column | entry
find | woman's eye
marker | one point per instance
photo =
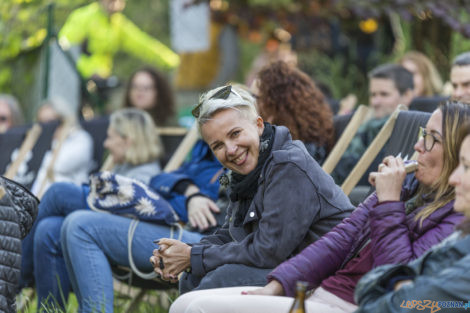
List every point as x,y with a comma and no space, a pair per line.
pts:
216,147
235,133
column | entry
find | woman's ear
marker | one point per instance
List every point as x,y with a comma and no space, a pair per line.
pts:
260,125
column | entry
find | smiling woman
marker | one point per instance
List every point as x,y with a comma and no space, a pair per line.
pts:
272,179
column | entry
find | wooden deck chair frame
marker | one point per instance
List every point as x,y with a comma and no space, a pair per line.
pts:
349,132
27,145
371,153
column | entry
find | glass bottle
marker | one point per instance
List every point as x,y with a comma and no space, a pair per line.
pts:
299,302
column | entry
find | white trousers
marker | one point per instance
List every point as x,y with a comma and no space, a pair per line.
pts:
230,300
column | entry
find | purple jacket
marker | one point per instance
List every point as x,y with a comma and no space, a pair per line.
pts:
394,236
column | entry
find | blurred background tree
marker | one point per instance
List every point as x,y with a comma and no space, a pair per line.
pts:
337,41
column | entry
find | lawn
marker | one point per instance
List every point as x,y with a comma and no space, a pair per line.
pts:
153,301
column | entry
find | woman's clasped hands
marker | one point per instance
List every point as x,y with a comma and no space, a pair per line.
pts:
171,258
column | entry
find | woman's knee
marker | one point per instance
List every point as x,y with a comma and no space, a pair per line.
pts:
57,195
77,224
47,235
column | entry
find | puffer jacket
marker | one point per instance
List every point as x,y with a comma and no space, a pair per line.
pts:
18,210
440,282
394,236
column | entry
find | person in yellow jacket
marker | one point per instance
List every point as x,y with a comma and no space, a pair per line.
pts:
102,30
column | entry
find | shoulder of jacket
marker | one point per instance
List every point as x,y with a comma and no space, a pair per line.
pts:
290,152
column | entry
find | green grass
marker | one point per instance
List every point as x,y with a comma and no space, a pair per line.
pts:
154,301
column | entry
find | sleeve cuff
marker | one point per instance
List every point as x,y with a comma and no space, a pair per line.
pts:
197,265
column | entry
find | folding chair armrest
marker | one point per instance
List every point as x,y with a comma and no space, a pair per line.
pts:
343,142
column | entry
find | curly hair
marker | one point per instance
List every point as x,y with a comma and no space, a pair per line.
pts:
287,96
164,107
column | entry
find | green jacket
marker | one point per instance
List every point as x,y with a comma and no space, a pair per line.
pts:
105,35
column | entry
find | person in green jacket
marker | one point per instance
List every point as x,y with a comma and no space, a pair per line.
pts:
102,30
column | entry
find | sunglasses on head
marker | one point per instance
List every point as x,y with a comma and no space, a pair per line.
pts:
222,93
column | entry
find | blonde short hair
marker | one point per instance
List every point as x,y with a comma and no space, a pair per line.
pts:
237,99
138,126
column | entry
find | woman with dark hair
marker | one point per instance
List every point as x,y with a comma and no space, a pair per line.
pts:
288,97
149,90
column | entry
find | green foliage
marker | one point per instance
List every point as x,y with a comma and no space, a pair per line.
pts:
340,77
271,3
23,27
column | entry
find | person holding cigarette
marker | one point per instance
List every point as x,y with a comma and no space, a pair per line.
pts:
437,280
398,223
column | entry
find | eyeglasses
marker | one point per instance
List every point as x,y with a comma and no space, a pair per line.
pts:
429,139
222,93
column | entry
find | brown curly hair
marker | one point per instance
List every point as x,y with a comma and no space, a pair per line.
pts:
164,107
290,98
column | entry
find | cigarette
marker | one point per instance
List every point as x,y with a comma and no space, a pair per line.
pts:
411,167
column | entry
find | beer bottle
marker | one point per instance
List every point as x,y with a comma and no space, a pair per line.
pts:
299,302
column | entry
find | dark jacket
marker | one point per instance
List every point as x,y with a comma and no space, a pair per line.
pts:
18,209
440,279
395,237
295,204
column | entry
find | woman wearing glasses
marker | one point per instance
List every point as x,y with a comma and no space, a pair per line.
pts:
404,217
281,200
439,279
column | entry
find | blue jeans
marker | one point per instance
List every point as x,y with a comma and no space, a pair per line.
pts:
41,250
91,241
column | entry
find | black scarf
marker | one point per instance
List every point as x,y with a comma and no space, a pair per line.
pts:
243,187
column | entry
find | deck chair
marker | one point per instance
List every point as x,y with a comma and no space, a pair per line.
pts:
33,142
402,140
371,152
345,135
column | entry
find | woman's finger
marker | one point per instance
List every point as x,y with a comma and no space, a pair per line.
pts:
213,206
192,221
208,217
202,222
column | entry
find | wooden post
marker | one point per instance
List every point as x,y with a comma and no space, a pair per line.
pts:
340,147
27,145
183,149
67,127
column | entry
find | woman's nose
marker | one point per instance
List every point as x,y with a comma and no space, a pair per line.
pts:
419,145
231,149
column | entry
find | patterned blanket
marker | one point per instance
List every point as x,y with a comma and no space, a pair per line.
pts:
125,196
